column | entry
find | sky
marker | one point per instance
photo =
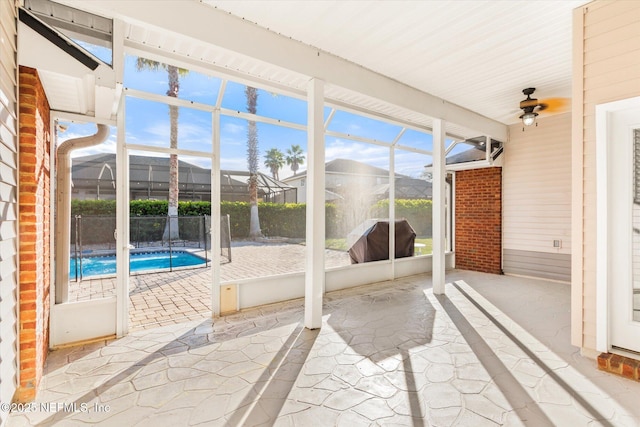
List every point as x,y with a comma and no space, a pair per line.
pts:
147,123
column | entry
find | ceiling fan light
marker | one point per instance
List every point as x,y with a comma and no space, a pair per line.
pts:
528,118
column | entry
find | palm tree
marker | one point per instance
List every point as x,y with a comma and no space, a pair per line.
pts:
252,163
171,231
274,160
295,157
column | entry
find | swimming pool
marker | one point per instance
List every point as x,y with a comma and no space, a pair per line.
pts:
100,265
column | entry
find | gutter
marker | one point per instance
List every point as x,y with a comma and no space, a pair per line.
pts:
63,206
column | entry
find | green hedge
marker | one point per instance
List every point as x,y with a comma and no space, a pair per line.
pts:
93,207
285,220
416,211
276,219
138,207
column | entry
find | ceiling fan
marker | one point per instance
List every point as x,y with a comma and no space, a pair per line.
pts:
531,106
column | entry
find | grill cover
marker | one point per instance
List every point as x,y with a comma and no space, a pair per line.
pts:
373,245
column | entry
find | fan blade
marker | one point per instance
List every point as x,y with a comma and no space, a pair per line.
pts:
529,103
554,105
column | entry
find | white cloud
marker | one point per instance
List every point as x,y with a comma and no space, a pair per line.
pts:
233,163
198,161
354,128
160,128
375,155
190,136
233,129
74,131
231,141
411,164
133,139
98,149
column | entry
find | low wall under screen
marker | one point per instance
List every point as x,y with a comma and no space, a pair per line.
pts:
269,290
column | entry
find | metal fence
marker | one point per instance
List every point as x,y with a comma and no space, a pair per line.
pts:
93,241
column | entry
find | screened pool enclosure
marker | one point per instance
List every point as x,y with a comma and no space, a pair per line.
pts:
300,172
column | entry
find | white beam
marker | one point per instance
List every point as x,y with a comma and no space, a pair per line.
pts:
170,100
215,231
329,118
438,208
314,272
392,208
205,24
398,136
358,138
577,180
122,227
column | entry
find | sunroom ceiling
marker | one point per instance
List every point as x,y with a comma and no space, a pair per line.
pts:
477,55
240,68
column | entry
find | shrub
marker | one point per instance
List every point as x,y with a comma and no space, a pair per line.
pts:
416,211
93,207
276,219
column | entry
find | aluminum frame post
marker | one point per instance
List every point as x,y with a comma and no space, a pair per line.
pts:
315,227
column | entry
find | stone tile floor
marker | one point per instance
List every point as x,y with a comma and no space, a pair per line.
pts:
493,351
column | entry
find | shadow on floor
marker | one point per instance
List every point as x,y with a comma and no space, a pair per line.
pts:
270,391
526,408
407,323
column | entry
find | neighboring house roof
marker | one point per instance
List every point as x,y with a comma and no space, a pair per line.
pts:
407,188
476,152
470,155
346,167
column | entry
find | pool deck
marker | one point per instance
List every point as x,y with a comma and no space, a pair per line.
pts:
166,298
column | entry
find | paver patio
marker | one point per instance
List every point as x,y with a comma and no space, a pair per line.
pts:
158,299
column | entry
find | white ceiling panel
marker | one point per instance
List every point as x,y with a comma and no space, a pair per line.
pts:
65,93
476,54
182,48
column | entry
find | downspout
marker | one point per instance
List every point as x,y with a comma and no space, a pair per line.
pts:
63,206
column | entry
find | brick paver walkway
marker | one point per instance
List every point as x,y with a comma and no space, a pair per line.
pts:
159,299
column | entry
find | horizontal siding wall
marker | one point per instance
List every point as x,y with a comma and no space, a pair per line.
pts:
537,199
611,70
8,205
538,264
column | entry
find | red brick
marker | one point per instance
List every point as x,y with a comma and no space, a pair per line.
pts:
629,368
478,220
34,177
615,364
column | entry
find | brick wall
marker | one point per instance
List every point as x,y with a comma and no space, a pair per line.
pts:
478,210
33,185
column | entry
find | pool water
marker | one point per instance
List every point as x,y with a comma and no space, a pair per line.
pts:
106,265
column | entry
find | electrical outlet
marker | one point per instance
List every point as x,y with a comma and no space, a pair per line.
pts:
557,244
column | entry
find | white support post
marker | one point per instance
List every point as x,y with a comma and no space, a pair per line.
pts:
122,227
392,210
438,211
215,216
314,272
122,189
